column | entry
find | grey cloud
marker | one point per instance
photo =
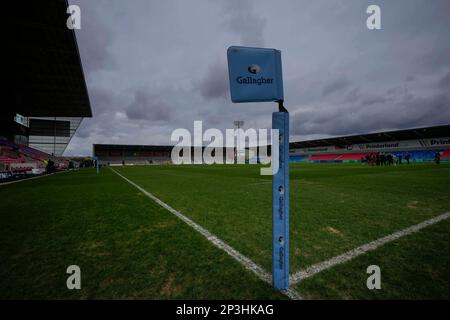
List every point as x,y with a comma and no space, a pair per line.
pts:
242,19
353,95
336,86
153,66
147,107
426,111
395,90
445,82
101,100
215,83
436,58
95,38
373,99
398,92
84,130
403,112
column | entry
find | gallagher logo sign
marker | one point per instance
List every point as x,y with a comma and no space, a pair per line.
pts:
254,68
255,74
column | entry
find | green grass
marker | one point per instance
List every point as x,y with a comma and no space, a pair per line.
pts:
129,247
334,208
126,246
413,267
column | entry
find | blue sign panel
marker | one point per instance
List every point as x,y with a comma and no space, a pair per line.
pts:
255,74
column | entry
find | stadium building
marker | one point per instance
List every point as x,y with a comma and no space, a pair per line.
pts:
116,154
113,154
421,144
46,91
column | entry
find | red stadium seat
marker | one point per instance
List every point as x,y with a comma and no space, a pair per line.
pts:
323,157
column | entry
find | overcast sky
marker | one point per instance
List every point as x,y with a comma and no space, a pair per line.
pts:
154,66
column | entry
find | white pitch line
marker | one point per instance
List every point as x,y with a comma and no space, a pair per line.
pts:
32,178
239,257
258,183
349,255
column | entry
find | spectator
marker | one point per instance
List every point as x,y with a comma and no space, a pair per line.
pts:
407,156
390,159
437,157
50,166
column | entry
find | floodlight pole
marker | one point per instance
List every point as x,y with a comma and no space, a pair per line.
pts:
280,202
238,124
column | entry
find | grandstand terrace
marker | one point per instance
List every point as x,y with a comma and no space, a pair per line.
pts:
114,154
46,95
421,144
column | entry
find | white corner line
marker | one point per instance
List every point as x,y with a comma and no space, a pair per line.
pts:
349,255
239,257
32,178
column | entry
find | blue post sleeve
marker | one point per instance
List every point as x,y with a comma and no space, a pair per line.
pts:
280,205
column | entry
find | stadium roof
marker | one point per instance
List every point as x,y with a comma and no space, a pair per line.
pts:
407,134
130,147
46,76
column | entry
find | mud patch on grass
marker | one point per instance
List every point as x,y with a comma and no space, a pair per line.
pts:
170,288
333,231
93,248
412,204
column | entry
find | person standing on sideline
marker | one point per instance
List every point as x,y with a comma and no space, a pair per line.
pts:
437,157
407,156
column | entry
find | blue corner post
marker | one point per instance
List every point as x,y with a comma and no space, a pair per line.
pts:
262,66
280,204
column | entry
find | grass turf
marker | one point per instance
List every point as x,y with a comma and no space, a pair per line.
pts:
126,246
130,247
414,267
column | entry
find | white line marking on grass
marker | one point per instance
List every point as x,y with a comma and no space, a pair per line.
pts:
239,257
258,183
349,255
291,294
32,178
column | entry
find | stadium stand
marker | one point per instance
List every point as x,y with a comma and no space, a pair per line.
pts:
19,159
323,157
132,154
445,154
116,154
46,94
337,157
351,156
415,156
419,145
298,158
